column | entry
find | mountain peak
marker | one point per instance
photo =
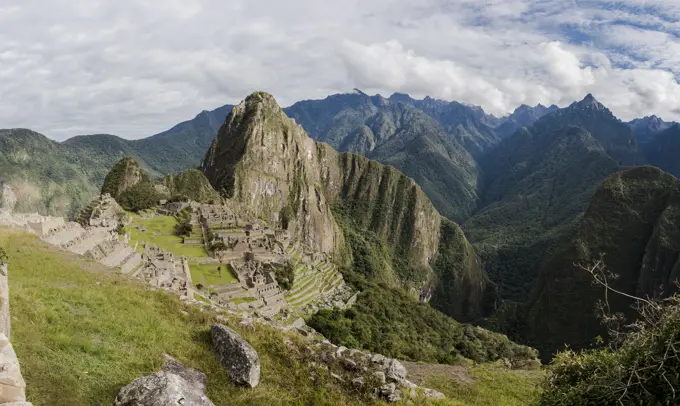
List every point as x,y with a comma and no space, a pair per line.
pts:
590,101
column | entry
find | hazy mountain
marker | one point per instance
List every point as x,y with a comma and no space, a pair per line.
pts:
539,182
646,128
522,116
663,150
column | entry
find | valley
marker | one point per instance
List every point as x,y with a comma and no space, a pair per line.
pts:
339,235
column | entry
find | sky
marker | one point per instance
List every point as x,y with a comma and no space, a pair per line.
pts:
134,68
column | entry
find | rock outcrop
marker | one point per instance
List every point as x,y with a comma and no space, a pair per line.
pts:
124,174
191,185
174,385
161,389
236,355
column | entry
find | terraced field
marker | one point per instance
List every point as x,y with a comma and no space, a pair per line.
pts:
312,280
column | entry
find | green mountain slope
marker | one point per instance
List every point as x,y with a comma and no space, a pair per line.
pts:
400,135
633,225
359,210
61,178
543,180
42,175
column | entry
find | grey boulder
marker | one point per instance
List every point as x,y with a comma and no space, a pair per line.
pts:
192,376
237,356
394,370
162,389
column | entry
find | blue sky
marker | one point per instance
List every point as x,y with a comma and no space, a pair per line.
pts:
136,67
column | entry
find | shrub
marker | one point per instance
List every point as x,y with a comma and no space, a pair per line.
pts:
285,275
640,367
138,197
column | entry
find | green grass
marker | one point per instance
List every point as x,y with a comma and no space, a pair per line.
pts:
492,385
207,274
201,298
81,333
240,300
164,227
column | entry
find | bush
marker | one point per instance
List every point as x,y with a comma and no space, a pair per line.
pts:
389,322
141,196
285,275
643,370
184,229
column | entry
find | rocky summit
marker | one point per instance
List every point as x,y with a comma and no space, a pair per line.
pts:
265,162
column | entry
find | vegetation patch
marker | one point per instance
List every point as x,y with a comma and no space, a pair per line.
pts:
491,385
211,274
240,300
389,322
160,231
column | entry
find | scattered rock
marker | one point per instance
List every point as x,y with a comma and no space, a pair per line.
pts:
377,358
161,389
194,377
380,375
358,382
390,393
340,350
337,377
394,370
433,394
349,364
237,356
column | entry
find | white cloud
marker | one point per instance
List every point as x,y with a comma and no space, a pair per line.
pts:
135,68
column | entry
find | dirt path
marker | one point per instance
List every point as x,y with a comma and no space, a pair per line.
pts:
417,372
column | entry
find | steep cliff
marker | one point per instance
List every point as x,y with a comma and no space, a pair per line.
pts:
368,214
266,163
124,174
395,132
633,224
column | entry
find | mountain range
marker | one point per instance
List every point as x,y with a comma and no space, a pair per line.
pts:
519,196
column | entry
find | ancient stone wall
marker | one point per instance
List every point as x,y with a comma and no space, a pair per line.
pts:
12,385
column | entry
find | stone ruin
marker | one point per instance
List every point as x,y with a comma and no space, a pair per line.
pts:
103,211
163,270
97,239
259,281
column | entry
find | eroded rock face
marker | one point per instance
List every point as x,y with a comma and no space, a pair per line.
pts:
12,385
236,355
162,389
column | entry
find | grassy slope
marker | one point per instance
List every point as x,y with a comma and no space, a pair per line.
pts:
492,385
81,333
